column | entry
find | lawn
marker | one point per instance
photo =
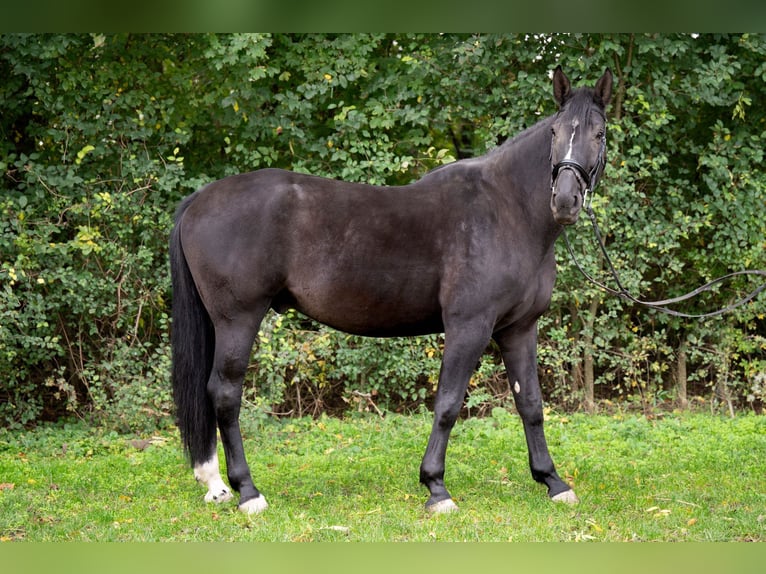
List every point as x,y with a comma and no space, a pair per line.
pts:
677,477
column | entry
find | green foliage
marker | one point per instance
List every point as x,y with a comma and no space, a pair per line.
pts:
101,135
83,240
305,368
678,204
684,477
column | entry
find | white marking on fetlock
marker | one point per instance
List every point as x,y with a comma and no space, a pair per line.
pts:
209,474
442,507
517,387
254,505
567,497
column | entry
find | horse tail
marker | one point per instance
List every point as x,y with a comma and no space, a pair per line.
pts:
193,343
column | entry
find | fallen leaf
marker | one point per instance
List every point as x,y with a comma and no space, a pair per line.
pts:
594,525
7,486
691,522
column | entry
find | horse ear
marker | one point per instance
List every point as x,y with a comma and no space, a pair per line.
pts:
561,86
603,91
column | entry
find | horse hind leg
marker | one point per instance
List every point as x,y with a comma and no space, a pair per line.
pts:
234,341
208,473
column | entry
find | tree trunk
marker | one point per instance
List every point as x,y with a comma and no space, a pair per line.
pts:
722,386
575,375
575,369
588,371
683,401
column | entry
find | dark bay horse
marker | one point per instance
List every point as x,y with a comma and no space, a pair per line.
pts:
467,250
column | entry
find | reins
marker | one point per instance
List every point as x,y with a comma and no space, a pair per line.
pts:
589,181
661,305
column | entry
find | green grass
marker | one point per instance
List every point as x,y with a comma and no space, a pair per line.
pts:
681,477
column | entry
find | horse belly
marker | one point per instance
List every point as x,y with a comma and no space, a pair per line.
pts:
368,303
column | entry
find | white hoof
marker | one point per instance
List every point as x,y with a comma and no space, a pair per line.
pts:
254,505
443,507
219,495
567,497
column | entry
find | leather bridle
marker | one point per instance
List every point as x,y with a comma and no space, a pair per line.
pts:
588,178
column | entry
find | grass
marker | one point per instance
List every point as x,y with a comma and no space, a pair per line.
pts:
680,477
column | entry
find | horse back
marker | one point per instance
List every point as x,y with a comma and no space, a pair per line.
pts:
370,260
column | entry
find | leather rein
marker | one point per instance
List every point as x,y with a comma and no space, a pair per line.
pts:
590,179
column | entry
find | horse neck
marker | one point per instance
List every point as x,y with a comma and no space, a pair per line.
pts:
523,166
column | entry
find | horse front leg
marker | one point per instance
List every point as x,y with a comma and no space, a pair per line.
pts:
462,350
519,350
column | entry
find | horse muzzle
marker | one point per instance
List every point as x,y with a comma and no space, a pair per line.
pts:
566,198
570,184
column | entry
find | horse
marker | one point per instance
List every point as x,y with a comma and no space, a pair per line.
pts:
467,250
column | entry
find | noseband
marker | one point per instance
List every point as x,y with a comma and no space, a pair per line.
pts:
583,174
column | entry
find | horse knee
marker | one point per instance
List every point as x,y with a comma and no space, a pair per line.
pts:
530,408
445,419
532,416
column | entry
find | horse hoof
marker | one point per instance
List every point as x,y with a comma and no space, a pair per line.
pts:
218,496
567,497
442,507
254,505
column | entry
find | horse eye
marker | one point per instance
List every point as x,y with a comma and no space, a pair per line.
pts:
600,135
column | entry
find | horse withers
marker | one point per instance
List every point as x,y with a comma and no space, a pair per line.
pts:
467,250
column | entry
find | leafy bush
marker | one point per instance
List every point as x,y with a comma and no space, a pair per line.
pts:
102,136
301,367
83,235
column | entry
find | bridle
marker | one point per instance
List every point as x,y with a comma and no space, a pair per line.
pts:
589,180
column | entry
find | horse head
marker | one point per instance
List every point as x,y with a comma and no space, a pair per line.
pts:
578,143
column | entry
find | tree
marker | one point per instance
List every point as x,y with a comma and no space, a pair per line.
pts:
102,135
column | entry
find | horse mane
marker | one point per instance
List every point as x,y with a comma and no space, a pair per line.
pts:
526,133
